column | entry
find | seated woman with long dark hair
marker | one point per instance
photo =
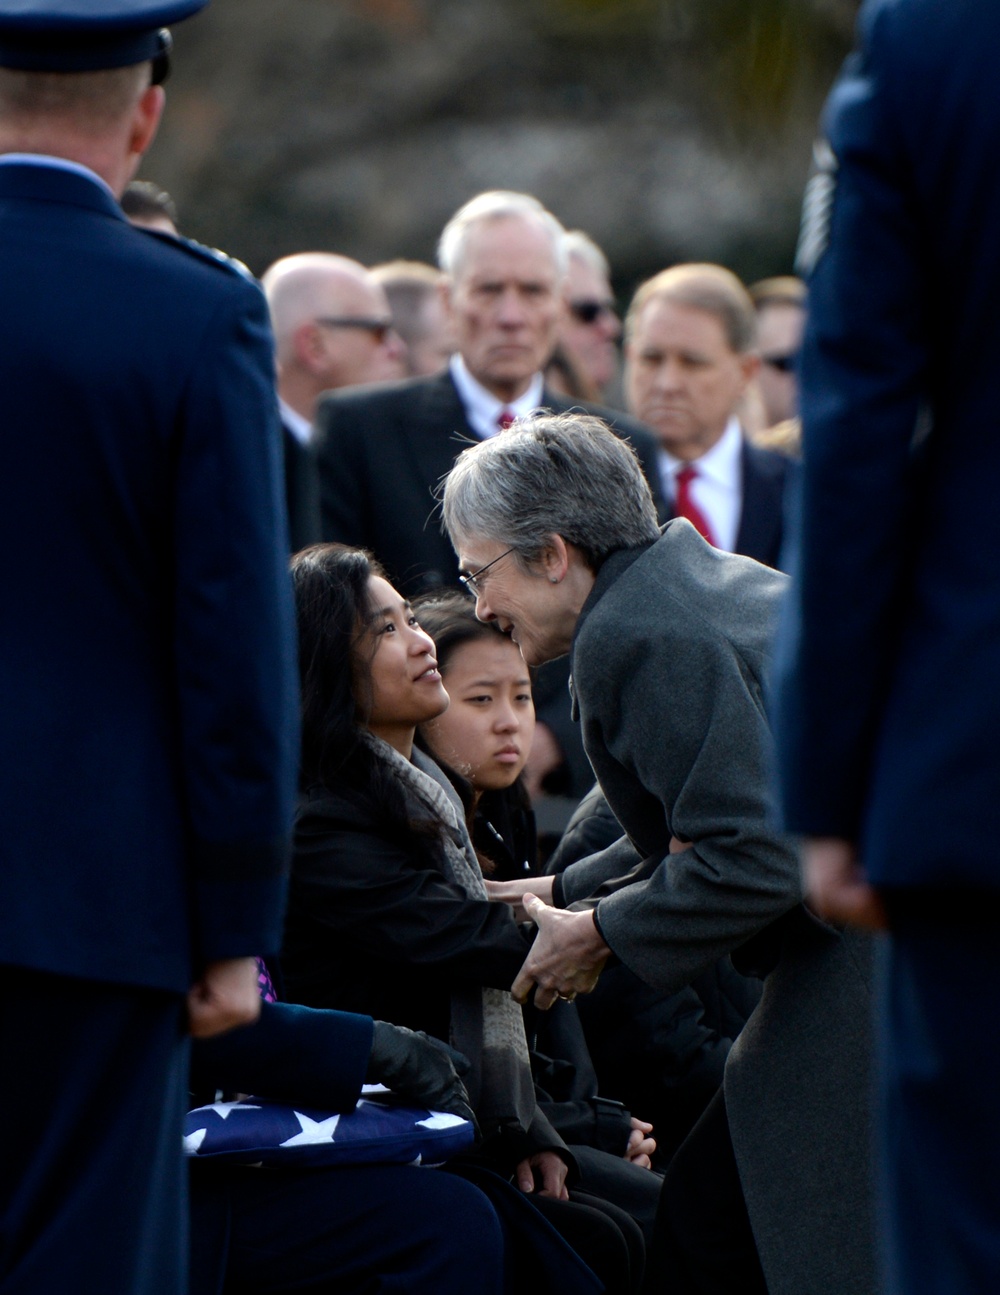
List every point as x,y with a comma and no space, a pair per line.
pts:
388,913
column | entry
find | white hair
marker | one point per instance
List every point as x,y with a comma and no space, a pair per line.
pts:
583,247
497,204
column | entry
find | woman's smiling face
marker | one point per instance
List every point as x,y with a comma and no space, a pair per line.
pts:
486,732
400,662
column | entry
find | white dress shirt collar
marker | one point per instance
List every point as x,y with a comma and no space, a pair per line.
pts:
58,164
482,408
299,427
718,487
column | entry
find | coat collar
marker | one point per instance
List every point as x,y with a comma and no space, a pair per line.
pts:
57,184
612,568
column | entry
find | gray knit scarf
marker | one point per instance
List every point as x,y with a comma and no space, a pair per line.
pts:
486,1024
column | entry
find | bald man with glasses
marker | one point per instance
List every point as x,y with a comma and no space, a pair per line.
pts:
333,329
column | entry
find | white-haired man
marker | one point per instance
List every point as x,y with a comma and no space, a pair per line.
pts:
382,451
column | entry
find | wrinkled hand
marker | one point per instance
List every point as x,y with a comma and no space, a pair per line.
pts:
421,1069
836,887
225,997
513,893
566,959
640,1145
547,1167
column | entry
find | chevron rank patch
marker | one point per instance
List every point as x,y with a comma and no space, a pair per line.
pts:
817,209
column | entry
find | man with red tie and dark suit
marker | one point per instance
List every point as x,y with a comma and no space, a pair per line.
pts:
689,357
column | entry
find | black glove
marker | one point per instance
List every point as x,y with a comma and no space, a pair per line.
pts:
421,1069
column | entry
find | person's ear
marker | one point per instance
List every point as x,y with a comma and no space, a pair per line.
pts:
555,559
750,367
308,347
146,120
444,291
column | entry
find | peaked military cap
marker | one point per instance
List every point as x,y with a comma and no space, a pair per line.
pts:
89,35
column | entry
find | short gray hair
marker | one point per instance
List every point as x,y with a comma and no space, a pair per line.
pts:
551,474
583,247
497,204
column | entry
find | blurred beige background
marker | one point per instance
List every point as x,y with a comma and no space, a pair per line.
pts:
668,129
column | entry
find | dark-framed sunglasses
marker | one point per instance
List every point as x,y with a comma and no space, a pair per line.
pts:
470,581
589,311
379,328
783,363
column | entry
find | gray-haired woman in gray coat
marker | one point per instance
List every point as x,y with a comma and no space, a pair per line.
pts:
669,642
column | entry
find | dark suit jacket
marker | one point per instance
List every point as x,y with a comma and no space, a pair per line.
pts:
148,722
766,475
301,491
891,708
384,451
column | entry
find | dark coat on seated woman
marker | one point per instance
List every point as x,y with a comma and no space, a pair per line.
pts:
374,926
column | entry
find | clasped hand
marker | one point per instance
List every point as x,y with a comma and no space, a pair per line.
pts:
567,957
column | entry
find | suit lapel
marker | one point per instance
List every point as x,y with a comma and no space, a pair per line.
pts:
759,532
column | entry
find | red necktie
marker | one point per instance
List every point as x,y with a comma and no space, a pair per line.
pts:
685,506
505,418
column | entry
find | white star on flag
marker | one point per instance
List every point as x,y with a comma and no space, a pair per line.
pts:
313,1131
439,1120
193,1141
225,1109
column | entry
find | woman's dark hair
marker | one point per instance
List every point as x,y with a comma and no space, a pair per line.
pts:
449,617
333,610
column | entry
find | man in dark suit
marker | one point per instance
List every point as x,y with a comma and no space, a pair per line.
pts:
384,451
332,328
689,358
889,706
147,705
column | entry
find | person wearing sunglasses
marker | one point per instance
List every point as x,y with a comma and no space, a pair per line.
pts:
780,304
332,328
591,327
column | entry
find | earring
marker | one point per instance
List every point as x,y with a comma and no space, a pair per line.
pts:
553,580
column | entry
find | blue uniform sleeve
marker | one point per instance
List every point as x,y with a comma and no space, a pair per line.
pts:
863,387
291,1054
234,638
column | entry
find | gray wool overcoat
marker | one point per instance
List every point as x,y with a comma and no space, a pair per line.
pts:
669,664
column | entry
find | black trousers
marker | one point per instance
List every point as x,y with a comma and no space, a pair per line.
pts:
356,1230
703,1243
93,1084
607,1239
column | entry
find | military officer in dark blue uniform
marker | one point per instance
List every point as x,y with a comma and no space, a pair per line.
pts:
888,696
147,707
